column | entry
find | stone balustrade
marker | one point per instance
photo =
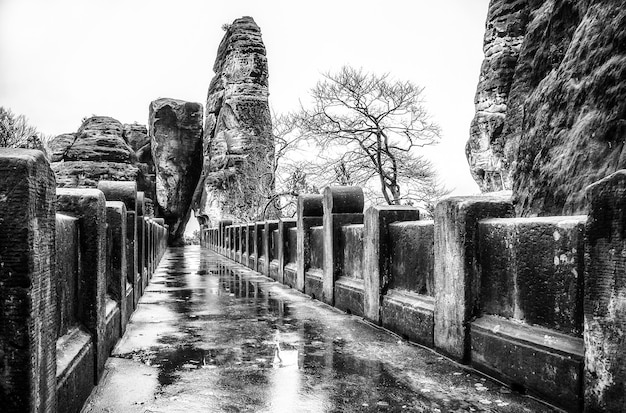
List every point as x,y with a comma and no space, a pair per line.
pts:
534,302
73,264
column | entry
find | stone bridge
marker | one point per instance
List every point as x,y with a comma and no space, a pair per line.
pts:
536,303
73,266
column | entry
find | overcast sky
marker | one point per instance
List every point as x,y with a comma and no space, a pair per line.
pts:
61,60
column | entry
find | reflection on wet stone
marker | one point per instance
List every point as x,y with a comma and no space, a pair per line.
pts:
221,338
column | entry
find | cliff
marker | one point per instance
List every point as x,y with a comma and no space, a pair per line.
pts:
550,103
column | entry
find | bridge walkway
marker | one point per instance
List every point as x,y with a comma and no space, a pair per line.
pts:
211,335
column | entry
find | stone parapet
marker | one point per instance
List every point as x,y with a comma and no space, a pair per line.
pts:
27,288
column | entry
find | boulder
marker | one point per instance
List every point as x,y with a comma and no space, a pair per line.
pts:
175,129
96,151
238,144
551,102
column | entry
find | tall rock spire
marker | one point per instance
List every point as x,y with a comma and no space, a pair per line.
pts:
238,147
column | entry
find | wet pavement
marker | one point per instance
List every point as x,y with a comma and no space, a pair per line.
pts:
210,335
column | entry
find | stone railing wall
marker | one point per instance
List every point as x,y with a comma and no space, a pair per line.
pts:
73,264
539,303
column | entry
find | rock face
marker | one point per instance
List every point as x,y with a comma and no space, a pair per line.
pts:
97,151
136,136
238,145
176,144
551,102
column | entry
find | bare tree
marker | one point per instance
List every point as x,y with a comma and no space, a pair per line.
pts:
15,132
369,128
290,177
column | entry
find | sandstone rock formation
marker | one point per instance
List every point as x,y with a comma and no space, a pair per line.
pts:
136,136
551,101
176,143
97,151
238,145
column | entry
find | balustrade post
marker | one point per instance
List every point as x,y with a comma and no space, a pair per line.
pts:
27,288
268,229
283,244
116,271
377,255
126,192
605,296
89,206
141,275
456,279
343,205
310,212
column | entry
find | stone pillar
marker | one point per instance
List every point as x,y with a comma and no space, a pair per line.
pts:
126,192
89,206
376,253
160,246
343,205
116,260
141,234
257,238
232,237
456,279
147,251
268,227
605,296
249,244
221,248
310,213
281,248
27,289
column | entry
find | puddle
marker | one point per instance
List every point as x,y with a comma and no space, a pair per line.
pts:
230,341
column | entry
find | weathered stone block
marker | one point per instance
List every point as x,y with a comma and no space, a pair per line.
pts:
412,257
310,211
257,238
531,269
343,205
75,369
409,314
268,231
74,347
126,192
116,262
349,287
605,296
290,252
544,362
376,254
249,244
456,281
142,273
133,289
314,276
67,273
27,287
89,206
282,245
221,225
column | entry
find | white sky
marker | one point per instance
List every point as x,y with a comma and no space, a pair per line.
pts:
61,60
